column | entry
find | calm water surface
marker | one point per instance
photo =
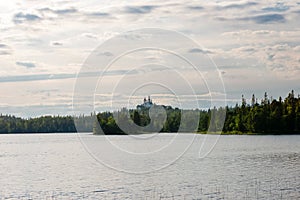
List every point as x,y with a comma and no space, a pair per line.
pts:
59,166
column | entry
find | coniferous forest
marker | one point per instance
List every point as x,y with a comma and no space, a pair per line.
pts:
268,116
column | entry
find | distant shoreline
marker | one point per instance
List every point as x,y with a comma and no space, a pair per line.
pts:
198,133
270,117
248,133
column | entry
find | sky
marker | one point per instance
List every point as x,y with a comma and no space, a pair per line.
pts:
62,57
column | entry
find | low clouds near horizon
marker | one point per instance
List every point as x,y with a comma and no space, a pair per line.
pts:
26,64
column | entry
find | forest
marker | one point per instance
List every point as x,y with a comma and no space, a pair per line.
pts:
269,116
12,124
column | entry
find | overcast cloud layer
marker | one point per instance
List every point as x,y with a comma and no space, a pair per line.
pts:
43,44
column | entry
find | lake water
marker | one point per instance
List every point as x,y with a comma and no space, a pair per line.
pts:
65,166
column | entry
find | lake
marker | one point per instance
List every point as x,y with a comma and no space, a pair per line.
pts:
163,166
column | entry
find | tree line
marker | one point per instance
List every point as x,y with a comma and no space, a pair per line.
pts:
44,124
280,116
269,116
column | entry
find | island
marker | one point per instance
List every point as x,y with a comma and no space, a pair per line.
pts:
269,116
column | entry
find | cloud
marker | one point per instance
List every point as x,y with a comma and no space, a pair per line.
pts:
139,9
266,19
65,11
98,14
3,46
195,7
40,77
60,11
4,49
258,19
38,110
21,17
26,64
197,50
228,67
236,44
35,77
4,52
280,7
56,44
106,53
237,6
54,14
90,35
267,36
282,59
